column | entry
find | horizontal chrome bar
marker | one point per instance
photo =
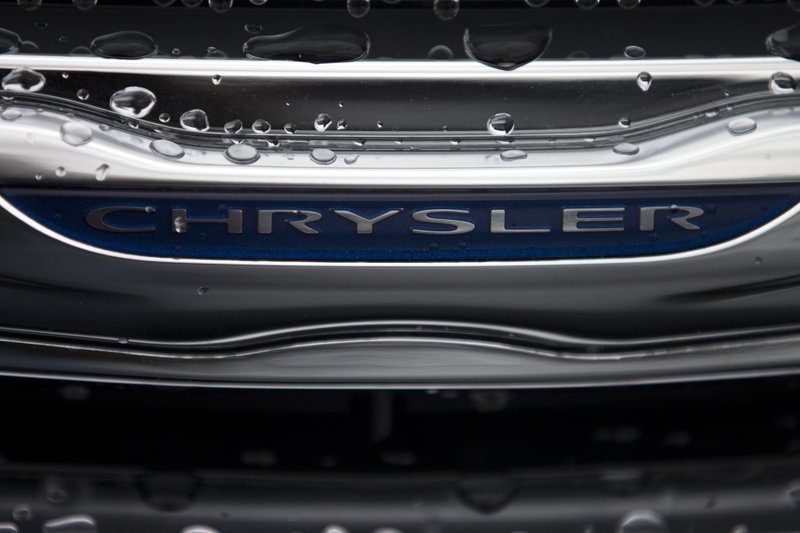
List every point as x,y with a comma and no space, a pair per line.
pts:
34,153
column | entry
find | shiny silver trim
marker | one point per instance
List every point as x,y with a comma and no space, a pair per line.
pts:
425,70
550,345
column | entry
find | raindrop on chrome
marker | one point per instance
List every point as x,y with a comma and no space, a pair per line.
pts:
23,80
341,125
626,149
446,9
587,4
642,521
241,154
635,52
782,83
289,128
61,172
10,114
194,120
216,79
135,102
79,523
9,42
628,4
322,122
101,172
261,126
512,155
167,149
440,52
124,45
500,124
644,80
351,159
82,95
323,156
234,126
742,126
358,8
537,3
624,122
75,134
220,6
164,117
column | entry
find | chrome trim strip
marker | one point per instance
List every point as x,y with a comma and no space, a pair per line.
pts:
644,348
425,70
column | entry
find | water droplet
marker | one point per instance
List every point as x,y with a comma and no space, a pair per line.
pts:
628,4
234,126
23,80
11,114
220,6
135,102
61,172
164,117
587,4
242,154
83,95
742,126
101,172
440,52
289,128
624,122
537,3
29,5
513,155
318,44
644,80
194,120
22,512
358,8
28,47
785,43
322,122
635,52
261,126
166,148
8,527
626,149
202,290
253,28
124,45
213,52
642,521
351,159
782,83
506,46
500,124
9,42
79,523
75,133
323,156
341,125
216,79
446,9
379,124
